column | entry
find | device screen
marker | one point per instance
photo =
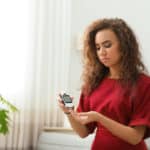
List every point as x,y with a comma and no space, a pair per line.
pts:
67,98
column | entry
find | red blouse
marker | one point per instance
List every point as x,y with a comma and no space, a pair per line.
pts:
127,106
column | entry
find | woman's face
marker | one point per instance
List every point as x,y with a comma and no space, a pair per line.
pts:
108,48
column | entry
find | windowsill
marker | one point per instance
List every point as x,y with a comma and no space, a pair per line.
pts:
57,129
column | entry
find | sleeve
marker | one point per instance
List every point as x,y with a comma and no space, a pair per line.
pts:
83,106
141,110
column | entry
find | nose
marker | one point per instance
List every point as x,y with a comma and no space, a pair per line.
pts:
102,51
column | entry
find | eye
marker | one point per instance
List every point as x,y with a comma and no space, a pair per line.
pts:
97,48
107,45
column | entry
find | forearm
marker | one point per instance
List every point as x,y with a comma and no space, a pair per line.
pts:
126,133
79,128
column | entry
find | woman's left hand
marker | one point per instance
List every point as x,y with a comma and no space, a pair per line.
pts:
86,117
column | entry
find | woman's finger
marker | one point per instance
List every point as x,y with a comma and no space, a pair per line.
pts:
58,98
83,114
84,117
72,98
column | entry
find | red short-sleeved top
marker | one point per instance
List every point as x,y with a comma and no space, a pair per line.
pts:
130,106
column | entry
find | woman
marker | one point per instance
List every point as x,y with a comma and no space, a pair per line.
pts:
115,98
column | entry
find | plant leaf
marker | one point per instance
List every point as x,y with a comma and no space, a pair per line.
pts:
4,121
4,115
10,106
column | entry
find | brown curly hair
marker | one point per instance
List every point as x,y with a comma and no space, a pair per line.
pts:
131,65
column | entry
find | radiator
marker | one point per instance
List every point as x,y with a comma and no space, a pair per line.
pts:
65,139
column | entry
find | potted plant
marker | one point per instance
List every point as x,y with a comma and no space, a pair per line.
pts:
5,108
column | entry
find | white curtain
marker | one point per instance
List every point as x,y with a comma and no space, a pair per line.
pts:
34,65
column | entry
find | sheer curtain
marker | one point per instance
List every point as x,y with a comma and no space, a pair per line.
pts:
34,63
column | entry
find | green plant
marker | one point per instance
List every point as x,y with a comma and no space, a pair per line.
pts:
4,114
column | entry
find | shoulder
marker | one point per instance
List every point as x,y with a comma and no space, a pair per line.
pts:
142,90
144,79
143,83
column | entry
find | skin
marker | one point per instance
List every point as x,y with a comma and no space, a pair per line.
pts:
108,52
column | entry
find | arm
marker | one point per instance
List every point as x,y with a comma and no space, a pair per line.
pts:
132,135
79,128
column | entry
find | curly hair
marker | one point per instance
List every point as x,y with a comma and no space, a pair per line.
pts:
131,65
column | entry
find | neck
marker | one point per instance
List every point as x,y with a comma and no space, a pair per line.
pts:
113,73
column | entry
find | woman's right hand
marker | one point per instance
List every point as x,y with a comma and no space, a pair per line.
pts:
62,106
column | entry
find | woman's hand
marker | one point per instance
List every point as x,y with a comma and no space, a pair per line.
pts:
62,106
86,117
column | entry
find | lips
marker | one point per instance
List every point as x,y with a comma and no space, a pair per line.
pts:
104,59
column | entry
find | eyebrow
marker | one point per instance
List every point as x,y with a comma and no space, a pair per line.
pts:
103,42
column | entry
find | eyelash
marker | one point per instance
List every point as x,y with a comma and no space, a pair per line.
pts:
97,48
108,45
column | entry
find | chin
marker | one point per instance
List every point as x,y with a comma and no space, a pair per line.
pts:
107,65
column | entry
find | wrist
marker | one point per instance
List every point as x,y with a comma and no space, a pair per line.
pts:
67,113
102,118
98,117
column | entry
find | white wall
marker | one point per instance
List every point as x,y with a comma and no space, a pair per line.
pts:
85,11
